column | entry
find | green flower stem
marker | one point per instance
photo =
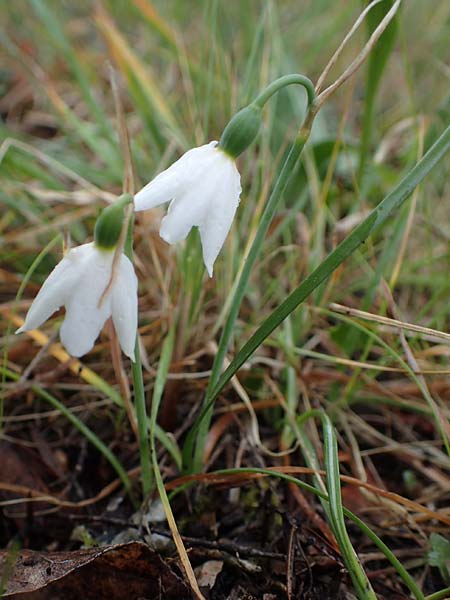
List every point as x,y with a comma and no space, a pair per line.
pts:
139,394
391,203
282,82
266,219
142,421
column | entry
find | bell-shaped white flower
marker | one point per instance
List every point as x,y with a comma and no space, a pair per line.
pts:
204,188
79,282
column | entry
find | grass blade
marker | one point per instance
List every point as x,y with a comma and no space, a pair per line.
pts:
360,580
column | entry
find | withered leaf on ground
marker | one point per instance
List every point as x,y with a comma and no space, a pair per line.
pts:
128,571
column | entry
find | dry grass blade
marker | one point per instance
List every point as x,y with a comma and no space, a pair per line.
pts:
395,323
362,56
337,54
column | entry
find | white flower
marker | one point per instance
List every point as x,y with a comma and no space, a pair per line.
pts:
78,282
204,188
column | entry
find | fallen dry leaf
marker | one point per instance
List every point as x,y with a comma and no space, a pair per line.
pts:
128,571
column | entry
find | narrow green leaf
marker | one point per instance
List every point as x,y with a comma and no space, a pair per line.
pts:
360,580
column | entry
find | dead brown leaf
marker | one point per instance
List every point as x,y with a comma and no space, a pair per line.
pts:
128,571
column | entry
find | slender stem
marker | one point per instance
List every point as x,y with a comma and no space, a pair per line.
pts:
142,422
266,219
126,239
281,82
139,393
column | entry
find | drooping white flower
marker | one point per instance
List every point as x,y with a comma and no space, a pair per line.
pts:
204,188
78,282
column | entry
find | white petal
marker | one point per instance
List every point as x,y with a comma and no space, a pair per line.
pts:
175,179
222,208
124,306
193,204
84,318
161,189
185,212
57,287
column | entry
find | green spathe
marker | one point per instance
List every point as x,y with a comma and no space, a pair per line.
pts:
109,223
244,126
241,131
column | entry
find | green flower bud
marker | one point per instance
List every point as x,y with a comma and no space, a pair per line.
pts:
241,131
109,224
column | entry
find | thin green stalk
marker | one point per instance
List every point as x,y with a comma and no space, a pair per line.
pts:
281,82
141,418
139,393
266,219
392,202
402,572
380,214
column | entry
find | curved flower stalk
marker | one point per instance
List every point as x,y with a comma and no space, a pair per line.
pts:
94,281
203,187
